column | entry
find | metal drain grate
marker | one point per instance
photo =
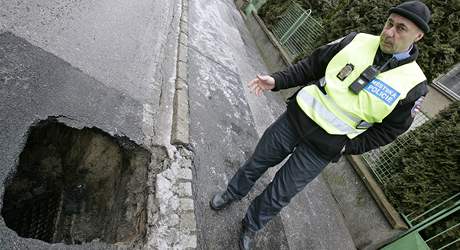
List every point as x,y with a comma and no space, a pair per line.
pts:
34,217
74,186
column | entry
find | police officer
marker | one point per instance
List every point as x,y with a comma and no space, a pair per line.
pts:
359,93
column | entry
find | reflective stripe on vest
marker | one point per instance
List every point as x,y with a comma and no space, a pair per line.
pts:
341,111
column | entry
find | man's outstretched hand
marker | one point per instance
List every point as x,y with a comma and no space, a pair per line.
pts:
261,83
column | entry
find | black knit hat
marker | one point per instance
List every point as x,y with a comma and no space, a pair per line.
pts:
415,11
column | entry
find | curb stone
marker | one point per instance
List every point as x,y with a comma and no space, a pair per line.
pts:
180,123
174,226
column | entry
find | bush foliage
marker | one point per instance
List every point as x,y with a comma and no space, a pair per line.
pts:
440,48
429,166
428,172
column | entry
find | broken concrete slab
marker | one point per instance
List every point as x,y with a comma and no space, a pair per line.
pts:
37,85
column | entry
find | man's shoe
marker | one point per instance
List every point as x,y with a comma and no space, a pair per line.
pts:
220,200
246,238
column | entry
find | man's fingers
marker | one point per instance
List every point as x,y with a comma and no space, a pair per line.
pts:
259,91
252,82
253,87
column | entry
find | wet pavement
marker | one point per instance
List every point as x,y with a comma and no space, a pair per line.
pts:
222,127
127,46
117,42
226,122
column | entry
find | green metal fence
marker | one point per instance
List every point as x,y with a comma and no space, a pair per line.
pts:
253,5
297,30
258,3
443,214
380,160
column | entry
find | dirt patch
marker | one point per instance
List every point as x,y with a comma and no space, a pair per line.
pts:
76,186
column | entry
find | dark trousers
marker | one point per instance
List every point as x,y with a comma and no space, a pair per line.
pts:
278,141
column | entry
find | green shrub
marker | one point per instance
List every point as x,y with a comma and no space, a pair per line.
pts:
428,171
428,165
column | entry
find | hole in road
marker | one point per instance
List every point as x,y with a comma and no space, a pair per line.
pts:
75,186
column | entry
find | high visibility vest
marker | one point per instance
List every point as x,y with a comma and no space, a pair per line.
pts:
342,112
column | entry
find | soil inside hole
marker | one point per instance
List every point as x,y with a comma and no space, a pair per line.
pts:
75,186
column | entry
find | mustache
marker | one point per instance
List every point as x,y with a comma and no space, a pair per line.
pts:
386,40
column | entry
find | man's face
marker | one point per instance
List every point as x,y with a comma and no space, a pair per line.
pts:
398,34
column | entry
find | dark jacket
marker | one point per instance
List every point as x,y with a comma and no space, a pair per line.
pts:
310,70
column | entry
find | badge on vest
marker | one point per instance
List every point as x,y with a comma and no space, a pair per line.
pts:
382,91
345,71
366,76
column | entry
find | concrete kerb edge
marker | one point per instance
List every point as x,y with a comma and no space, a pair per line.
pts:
183,39
239,5
179,175
180,126
377,193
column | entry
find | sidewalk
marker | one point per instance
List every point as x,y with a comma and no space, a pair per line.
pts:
225,124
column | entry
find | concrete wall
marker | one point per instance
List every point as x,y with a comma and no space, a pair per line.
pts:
434,102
